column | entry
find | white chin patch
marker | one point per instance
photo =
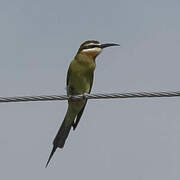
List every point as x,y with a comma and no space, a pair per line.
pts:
95,50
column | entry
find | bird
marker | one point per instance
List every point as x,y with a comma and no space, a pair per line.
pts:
79,81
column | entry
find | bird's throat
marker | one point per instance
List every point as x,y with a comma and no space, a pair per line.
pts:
86,59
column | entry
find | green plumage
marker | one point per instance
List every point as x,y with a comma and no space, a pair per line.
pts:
79,81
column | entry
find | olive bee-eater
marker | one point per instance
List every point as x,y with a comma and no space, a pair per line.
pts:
79,81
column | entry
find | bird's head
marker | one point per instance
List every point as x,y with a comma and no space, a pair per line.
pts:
93,48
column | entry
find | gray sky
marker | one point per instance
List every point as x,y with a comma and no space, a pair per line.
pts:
125,139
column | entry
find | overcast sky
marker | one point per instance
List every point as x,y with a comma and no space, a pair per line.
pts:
128,139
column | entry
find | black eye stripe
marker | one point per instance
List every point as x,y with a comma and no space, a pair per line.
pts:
92,46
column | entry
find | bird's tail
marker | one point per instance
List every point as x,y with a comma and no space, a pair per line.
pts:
63,133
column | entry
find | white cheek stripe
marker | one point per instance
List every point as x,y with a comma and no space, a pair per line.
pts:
95,49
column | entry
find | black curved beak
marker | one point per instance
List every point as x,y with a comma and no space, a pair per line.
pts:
108,45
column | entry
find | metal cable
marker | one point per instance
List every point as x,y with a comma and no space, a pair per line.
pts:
90,96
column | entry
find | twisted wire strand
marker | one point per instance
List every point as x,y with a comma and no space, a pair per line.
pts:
90,96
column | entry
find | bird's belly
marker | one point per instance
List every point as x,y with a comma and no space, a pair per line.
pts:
79,85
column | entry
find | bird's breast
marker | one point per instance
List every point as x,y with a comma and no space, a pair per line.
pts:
79,83
80,79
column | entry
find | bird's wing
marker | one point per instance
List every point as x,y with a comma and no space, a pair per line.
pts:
82,110
67,80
